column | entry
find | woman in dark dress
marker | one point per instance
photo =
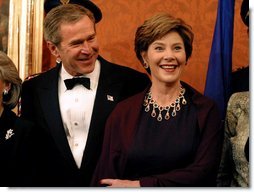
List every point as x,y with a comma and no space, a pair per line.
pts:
13,130
169,134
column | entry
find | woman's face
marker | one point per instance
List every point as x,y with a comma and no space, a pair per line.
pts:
166,58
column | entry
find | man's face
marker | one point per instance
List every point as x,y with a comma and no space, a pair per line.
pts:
79,47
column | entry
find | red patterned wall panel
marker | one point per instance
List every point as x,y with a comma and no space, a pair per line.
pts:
121,18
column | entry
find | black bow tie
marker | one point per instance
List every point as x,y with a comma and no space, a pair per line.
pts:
70,83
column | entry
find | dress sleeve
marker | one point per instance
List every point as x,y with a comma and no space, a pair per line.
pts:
110,153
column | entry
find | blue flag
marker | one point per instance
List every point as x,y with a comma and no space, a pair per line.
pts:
218,79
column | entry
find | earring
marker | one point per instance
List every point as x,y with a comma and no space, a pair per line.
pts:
5,92
146,66
58,60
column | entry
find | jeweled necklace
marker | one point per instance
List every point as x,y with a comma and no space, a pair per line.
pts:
149,102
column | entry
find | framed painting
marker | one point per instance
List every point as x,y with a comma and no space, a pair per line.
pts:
4,23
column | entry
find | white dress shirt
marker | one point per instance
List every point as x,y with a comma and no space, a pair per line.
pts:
76,106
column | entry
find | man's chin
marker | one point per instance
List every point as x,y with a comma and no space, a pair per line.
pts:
87,70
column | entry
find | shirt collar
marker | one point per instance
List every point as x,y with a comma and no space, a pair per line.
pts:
94,76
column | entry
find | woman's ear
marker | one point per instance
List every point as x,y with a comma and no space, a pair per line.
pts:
7,87
144,58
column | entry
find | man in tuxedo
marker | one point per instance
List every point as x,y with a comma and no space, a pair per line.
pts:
70,103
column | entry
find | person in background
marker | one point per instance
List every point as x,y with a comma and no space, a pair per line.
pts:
169,134
13,129
70,103
234,166
240,77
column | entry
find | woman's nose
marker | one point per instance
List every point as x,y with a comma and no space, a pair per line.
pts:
169,57
169,54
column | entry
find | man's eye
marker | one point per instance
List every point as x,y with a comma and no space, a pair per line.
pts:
76,43
91,38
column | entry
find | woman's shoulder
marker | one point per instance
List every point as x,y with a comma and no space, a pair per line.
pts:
197,97
238,108
206,108
240,100
8,118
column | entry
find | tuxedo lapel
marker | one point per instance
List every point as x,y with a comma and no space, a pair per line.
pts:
48,96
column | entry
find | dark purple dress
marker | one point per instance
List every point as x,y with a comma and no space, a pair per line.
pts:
160,147
183,151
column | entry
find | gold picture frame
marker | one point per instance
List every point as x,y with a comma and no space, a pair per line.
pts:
4,20
25,36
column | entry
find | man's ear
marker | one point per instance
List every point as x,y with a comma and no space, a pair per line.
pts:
53,49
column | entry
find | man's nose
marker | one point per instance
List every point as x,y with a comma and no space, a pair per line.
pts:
85,47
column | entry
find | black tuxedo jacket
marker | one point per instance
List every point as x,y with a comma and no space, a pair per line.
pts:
52,163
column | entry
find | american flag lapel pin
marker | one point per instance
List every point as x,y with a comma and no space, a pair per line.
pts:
110,98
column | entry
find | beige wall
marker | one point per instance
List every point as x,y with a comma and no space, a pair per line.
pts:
121,17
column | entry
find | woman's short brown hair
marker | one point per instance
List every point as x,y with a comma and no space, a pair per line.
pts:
9,74
157,27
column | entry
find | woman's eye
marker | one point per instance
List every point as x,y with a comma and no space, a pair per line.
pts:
178,48
158,48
